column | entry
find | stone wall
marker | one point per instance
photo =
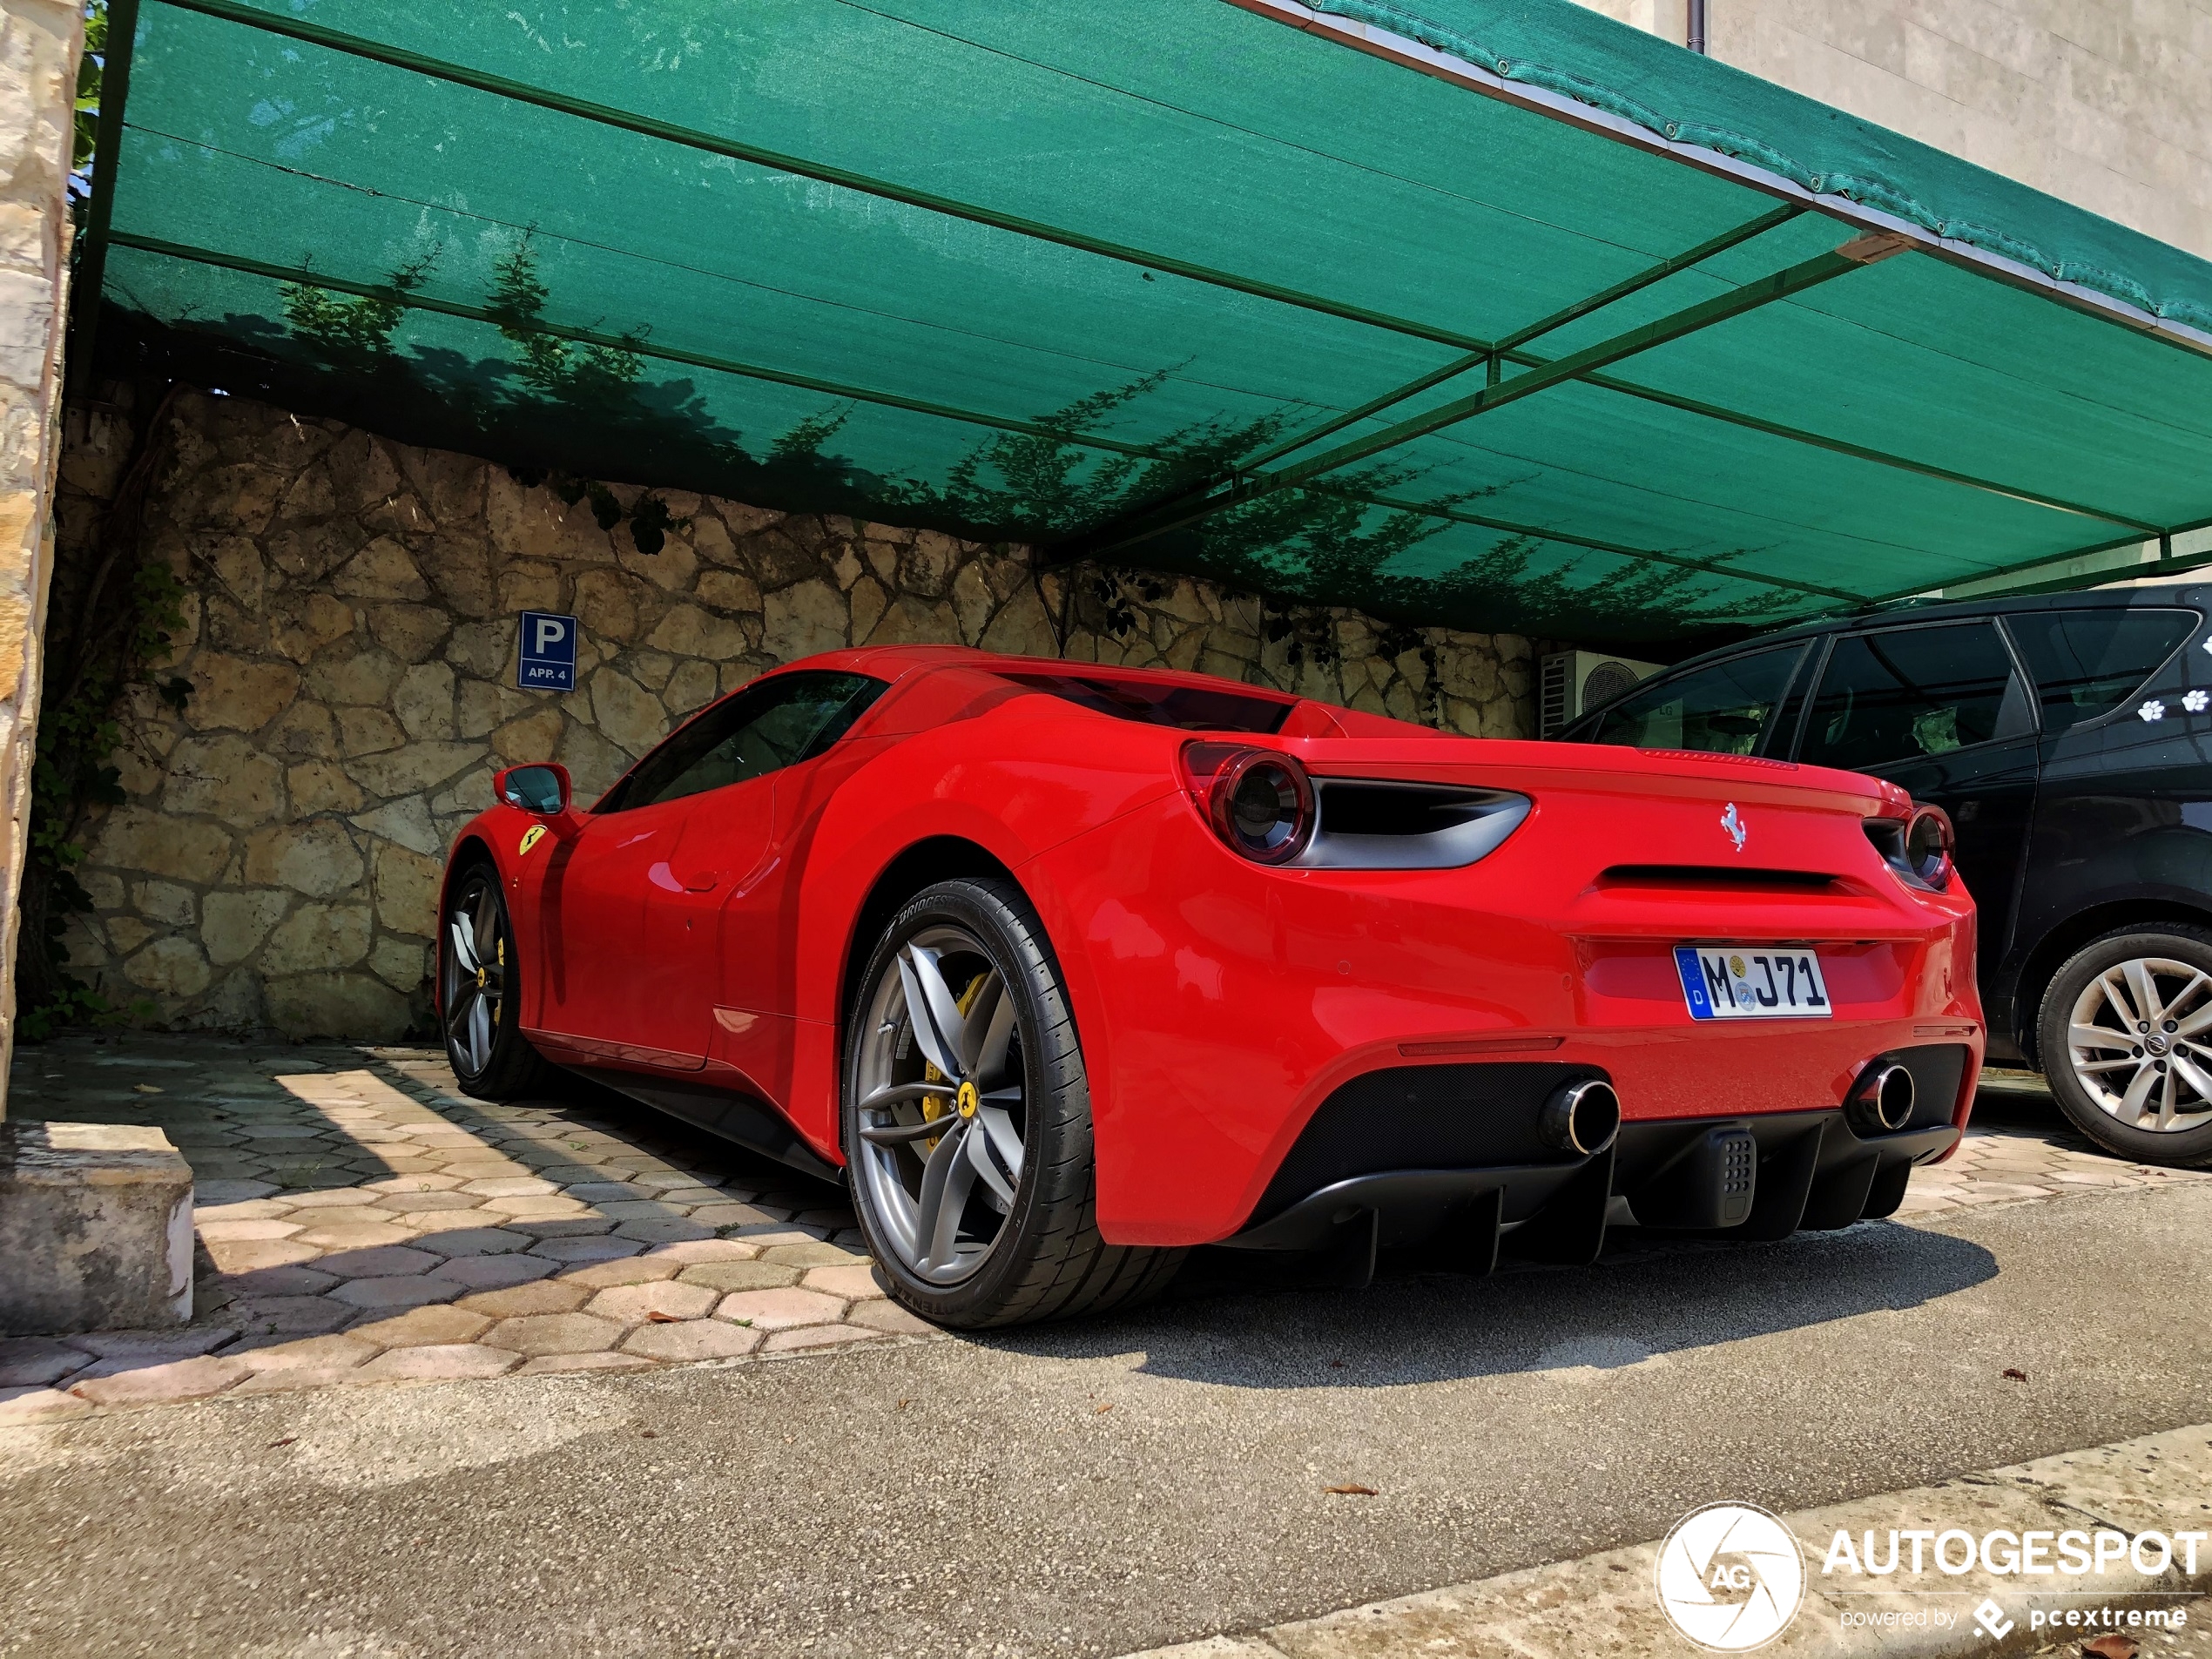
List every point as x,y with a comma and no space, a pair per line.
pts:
40,42
350,651
2099,103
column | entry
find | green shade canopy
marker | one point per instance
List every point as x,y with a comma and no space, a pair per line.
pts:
1491,312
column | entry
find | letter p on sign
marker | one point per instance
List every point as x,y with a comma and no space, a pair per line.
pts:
547,660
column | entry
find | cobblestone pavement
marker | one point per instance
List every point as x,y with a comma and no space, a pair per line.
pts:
362,1221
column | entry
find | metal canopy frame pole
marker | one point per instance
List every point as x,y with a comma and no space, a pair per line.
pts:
691,138
1780,285
2170,564
90,277
307,278
1485,360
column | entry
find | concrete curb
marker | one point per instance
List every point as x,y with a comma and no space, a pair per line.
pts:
1605,1604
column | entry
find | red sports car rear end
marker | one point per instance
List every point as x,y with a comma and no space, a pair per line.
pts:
1067,967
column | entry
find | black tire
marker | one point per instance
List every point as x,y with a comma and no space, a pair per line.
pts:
2175,943
510,1067
1046,1260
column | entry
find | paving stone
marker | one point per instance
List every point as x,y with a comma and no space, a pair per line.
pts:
691,1196
543,1296
148,1346
554,1333
32,1362
332,1198
602,1361
772,1234
414,1182
205,1192
635,1304
22,1406
407,1291
740,1276
733,1215
294,1379
290,1315
692,1339
350,1235
810,1255
495,1272
818,1336
420,1227
666,1229
424,1327
273,1281
634,1269
417,1203
380,1262
476,1241
585,1250
445,1361
600,1193
512,1186
855,1279
249,1210
534,1206
634,1209
325,1353
706,1249
779,1309
889,1317
242,1231
130,1383
567,1174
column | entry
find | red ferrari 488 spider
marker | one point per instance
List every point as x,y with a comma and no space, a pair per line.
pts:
1068,968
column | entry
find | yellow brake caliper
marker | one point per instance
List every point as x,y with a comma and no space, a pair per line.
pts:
933,1106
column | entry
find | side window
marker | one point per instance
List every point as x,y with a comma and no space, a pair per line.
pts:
762,729
1911,692
1722,709
2087,663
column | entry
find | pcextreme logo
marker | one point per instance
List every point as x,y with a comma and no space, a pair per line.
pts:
1731,1577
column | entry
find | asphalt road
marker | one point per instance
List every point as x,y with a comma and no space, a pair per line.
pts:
964,1497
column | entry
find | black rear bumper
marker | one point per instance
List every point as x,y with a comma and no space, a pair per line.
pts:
1764,1176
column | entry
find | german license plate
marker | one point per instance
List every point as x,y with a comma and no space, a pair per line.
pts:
1733,983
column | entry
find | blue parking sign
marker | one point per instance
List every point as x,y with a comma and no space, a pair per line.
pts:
548,652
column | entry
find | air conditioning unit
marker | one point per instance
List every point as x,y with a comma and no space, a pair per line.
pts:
1571,682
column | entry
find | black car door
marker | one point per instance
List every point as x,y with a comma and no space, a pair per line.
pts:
1942,710
2126,809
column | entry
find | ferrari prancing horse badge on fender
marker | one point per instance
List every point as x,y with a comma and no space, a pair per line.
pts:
530,839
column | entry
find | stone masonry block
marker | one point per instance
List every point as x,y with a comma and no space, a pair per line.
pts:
96,1227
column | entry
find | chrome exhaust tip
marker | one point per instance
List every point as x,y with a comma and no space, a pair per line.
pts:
1881,1101
1581,1117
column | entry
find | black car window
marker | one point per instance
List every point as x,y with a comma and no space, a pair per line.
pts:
1721,708
1911,692
776,723
2087,663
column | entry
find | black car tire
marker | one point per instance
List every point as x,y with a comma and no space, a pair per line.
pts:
1046,1260
510,1067
2175,941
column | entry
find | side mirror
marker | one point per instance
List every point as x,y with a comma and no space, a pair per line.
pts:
541,790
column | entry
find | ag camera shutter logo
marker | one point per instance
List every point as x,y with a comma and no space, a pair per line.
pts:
1731,1577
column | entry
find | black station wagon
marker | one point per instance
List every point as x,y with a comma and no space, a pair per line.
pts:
2069,738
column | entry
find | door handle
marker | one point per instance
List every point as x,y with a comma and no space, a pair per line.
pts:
703,881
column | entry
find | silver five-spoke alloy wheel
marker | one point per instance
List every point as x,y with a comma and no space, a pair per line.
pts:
2139,1041
939,1079
475,971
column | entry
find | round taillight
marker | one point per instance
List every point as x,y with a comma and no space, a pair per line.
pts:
1261,805
1929,839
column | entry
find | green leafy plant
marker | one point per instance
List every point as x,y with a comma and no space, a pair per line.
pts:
109,616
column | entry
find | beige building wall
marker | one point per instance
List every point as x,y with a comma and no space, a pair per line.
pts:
2106,103
39,43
